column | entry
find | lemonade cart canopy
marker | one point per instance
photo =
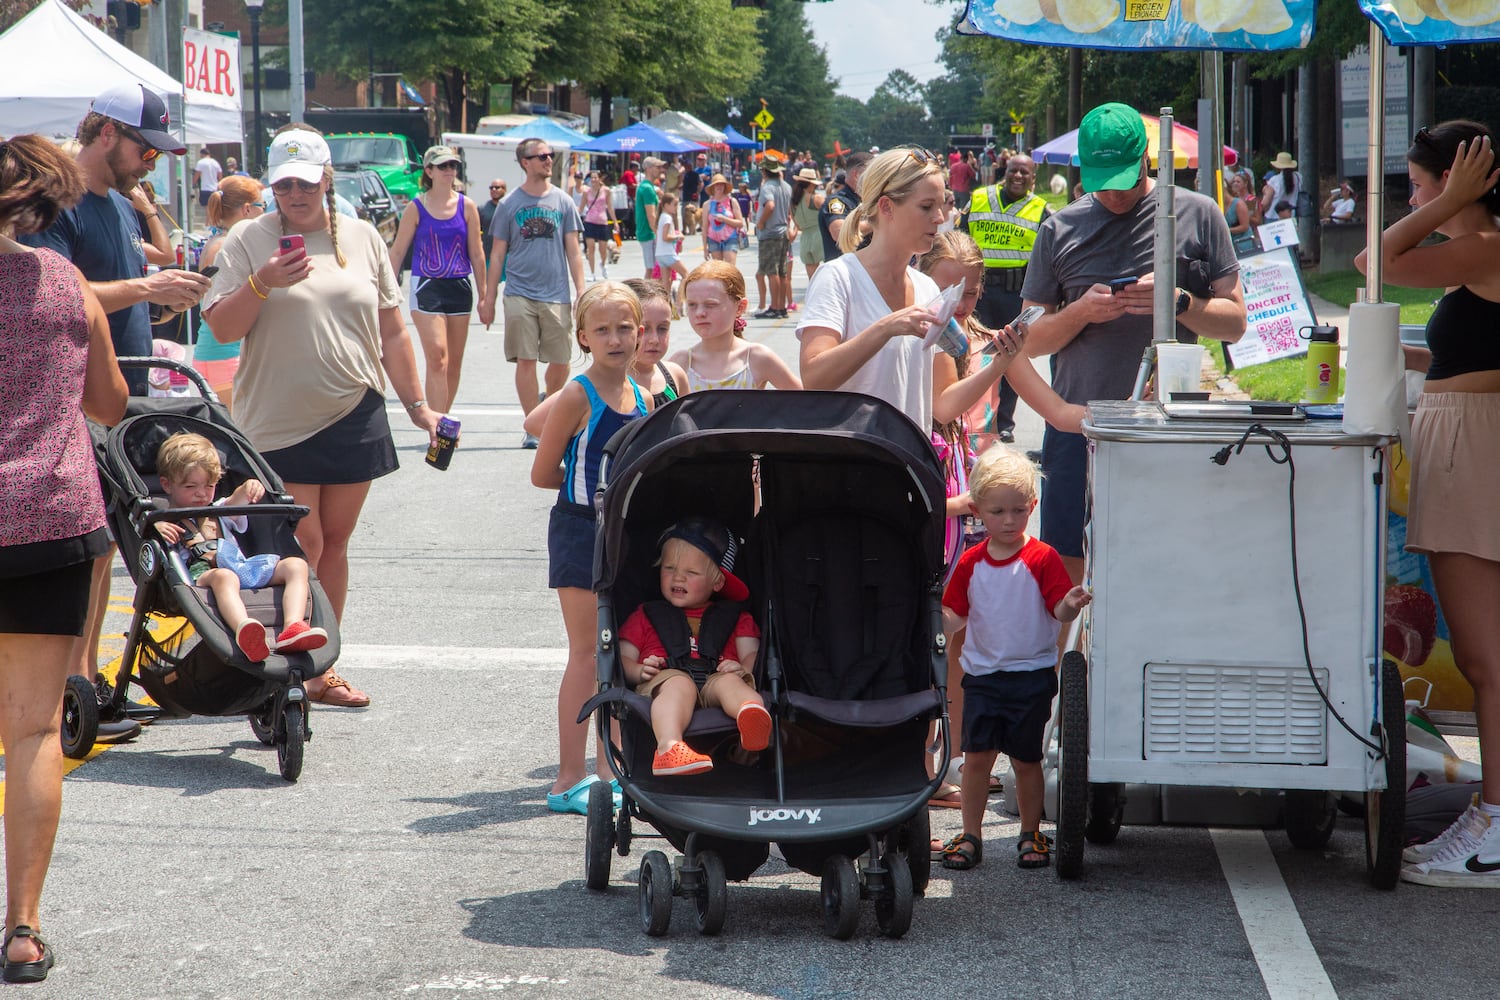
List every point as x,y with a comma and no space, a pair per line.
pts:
1234,25
1434,22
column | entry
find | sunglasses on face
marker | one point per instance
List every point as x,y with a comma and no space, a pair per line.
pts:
497,187
287,184
450,165
538,156
149,153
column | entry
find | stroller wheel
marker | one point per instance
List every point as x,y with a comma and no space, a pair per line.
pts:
80,718
656,893
263,724
289,750
622,832
599,835
840,897
893,905
912,839
711,901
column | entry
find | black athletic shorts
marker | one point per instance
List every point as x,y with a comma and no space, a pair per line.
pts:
444,296
356,449
52,602
1007,711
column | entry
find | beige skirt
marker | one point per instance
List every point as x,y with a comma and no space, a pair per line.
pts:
1455,474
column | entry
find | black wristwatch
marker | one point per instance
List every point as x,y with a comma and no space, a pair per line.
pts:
1184,299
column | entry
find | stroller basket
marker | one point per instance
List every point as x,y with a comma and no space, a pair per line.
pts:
183,675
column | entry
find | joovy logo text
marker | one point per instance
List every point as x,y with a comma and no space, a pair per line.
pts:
782,815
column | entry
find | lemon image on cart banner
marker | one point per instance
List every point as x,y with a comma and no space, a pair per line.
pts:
1249,25
1435,22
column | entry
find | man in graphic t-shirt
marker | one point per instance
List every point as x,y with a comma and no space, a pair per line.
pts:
535,241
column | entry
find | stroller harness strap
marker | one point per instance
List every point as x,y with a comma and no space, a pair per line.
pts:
714,629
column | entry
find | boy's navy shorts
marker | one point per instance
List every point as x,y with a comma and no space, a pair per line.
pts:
1007,711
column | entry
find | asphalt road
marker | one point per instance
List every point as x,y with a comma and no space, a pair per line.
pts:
416,855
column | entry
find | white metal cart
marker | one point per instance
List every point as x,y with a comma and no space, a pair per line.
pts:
1190,667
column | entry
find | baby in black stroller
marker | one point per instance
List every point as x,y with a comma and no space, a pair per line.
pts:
189,468
190,646
828,528
688,650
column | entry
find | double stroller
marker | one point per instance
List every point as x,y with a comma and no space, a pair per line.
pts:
840,501
178,648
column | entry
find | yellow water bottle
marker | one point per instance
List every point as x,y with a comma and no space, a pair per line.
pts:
1321,369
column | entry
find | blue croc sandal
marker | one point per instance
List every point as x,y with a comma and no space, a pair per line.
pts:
574,800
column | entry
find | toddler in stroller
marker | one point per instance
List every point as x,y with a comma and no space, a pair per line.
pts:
189,468
667,647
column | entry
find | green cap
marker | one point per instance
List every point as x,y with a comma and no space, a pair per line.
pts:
1111,140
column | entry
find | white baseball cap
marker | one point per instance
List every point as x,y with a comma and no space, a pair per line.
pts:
143,110
297,153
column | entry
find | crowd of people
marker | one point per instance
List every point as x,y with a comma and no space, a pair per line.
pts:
301,332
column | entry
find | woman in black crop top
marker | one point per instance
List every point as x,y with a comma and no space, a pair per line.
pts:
1455,450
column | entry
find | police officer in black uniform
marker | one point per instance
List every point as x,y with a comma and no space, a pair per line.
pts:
836,207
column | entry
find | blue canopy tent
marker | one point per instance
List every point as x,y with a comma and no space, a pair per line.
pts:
638,138
548,130
734,140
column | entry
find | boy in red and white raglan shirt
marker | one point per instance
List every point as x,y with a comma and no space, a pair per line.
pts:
1012,592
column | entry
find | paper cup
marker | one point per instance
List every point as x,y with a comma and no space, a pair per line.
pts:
1179,368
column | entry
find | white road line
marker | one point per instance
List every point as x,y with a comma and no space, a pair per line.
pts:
466,658
1289,965
478,410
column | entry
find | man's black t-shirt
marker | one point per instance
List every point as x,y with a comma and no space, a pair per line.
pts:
690,185
836,206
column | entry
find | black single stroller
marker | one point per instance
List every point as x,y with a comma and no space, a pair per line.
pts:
197,669
844,561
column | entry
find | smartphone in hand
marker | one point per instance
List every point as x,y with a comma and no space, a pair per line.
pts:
1119,284
292,243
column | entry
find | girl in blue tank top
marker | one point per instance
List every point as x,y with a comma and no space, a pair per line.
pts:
587,412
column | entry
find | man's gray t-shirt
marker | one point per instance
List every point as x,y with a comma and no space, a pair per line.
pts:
536,260
780,194
1086,244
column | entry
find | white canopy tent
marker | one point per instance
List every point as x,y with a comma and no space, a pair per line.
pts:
53,63
685,126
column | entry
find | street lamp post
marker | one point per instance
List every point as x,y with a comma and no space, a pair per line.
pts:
257,145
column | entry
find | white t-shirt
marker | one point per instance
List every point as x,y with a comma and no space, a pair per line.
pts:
209,172
666,237
1343,209
842,296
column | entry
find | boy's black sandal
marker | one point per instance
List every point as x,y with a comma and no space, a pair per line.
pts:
26,972
963,852
1033,842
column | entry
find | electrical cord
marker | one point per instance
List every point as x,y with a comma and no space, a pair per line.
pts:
1284,445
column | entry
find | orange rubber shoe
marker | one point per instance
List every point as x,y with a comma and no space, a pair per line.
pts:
679,758
754,723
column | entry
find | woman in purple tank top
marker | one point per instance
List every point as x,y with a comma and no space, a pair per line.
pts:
441,227
56,365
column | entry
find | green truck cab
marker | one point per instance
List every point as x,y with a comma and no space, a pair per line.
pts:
391,155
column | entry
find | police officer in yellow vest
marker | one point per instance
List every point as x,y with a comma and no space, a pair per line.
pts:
1003,219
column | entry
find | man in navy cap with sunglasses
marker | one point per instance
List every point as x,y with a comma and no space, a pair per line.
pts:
125,130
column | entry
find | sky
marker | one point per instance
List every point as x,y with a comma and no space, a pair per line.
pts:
866,39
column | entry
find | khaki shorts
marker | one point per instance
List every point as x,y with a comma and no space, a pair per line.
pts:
538,331
1455,474
706,696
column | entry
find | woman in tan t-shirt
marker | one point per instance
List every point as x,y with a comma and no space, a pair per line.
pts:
321,328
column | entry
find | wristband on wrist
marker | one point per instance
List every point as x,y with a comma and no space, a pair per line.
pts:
256,289
416,404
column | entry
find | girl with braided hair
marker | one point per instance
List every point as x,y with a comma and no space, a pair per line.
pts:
321,324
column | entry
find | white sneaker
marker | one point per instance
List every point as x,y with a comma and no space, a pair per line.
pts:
530,441
1418,853
605,272
1470,859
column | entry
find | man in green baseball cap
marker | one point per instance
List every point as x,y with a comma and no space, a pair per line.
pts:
1091,269
1111,144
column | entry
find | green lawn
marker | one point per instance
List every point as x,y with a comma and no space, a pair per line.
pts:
1339,287
1284,379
